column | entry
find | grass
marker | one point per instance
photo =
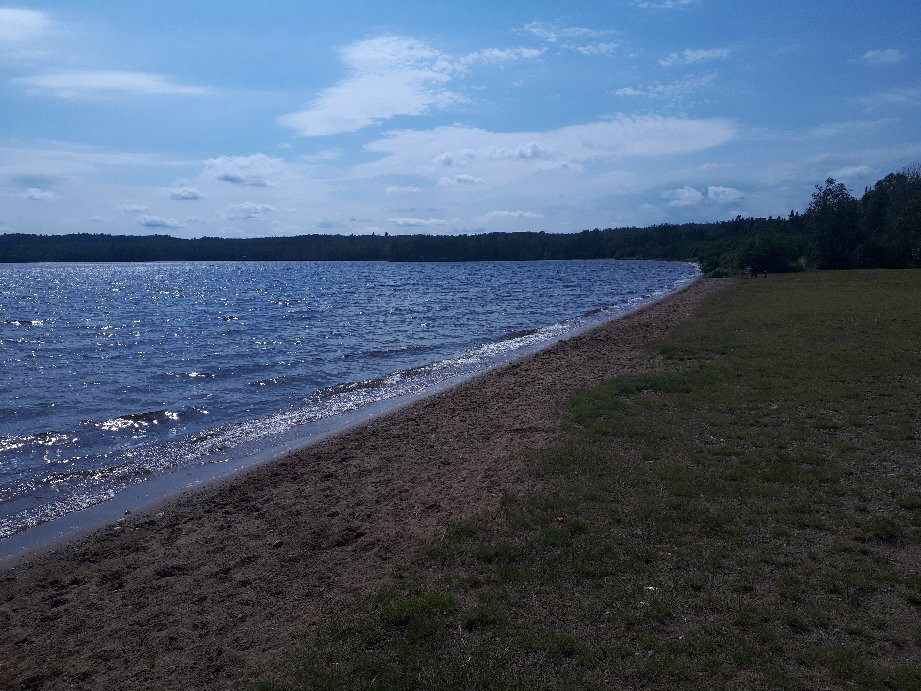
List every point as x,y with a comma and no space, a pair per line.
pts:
746,517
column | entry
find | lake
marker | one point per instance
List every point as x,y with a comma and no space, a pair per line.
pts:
113,375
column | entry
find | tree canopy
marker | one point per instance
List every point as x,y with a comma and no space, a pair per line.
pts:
837,230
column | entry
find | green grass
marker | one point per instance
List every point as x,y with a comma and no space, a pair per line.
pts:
746,517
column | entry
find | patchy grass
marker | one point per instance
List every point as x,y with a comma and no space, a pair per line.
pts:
746,517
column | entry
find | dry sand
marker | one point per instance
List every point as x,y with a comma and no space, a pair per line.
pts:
212,589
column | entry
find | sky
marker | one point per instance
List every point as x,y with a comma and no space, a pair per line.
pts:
240,119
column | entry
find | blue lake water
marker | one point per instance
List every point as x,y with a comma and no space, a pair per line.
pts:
113,374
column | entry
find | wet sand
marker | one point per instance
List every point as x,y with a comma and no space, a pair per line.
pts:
213,588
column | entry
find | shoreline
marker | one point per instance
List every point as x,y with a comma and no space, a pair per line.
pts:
211,587
163,487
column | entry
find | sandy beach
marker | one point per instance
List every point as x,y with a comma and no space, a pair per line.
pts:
213,588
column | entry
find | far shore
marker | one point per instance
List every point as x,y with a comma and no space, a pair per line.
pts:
213,588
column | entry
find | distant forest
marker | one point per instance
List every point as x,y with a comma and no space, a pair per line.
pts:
880,229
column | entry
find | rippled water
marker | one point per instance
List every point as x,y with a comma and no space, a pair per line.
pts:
112,373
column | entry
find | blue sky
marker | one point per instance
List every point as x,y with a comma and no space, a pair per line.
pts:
242,119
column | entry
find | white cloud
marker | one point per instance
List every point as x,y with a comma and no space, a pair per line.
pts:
185,193
257,170
245,211
404,222
852,171
97,219
723,195
492,56
530,150
889,56
514,214
690,57
683,196
158,222
401,189
37,194
673,91
20,30
553,34
603,48
663,4
131,208
497,156
388,76
83,84
460,180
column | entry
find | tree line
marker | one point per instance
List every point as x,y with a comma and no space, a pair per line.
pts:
880,229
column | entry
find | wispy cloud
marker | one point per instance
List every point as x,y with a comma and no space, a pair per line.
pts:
22,26
903,96
21,31
690,56
663,4
514,214
889,56
131,207
851,171
409,222
493,56
580,39
673,91
854,128
158,222
460,180
555,34
245,211
104,82
602,48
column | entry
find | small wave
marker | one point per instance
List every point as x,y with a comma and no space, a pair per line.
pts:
24,322
386,352
95,474
137,420
518,334
13,442
348,387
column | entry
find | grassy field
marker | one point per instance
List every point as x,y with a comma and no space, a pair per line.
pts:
746,517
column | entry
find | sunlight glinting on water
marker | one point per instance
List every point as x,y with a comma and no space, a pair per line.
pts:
108,378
